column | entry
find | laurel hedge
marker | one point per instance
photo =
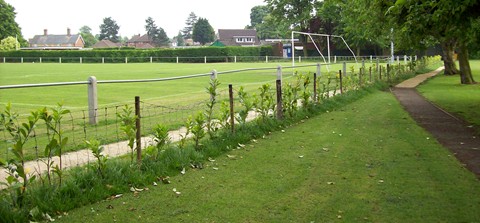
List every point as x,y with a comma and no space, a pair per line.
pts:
214,54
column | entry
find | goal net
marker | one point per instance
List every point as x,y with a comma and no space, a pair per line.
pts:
309,35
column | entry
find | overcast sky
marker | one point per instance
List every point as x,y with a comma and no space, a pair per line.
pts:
58,15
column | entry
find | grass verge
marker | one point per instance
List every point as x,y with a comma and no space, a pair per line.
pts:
367,161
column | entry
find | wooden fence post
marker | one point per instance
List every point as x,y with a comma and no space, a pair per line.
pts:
138,128
341,81
232,112
388,72
370,73
360,76
279,93
380,73
92,100
315,87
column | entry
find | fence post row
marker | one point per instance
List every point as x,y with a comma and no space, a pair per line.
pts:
279,93
92,100
138,128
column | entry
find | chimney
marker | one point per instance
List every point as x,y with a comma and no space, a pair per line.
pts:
68,32
45,32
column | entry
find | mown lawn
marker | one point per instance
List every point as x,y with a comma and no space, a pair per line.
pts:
367,162
461,100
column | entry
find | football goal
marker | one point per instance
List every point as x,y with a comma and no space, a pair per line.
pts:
316,46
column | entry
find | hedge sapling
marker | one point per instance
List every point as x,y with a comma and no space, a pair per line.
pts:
18,179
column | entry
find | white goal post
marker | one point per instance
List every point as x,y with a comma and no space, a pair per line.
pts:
318,49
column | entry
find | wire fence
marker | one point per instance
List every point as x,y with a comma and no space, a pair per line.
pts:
174,112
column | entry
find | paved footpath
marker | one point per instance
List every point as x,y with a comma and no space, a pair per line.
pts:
452,132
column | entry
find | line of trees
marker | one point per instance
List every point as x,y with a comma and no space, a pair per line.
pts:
413,25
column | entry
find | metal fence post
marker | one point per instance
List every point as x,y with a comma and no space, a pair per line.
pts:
40,60
138,128
126,59
81,60
235,59
3,59
151,60
279,93
205,59
103,59
92,100
266,59
177,59
21,59
59,60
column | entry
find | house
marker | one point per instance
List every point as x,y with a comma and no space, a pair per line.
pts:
53,42
106,44
142,42
237,37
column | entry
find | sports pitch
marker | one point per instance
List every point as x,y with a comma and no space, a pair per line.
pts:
180,91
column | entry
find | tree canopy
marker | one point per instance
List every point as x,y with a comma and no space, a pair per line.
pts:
203,32
109,30
189,24
8,25
450,22
87,36
157,34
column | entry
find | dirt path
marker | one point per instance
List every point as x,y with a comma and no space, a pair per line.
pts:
453,133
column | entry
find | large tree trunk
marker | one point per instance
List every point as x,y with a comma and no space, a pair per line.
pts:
448,62
465,71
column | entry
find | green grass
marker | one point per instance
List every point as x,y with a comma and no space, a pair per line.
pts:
365,162
461,100
168,103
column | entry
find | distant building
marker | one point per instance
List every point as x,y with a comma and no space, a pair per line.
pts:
237,37
57,42
106,44
141,42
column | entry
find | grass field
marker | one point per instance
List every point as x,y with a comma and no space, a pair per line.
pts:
75,97
168,103
461,100
354,164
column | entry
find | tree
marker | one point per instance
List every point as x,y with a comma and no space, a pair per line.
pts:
179,39
87,36
450,22
109,30
9,43
203,32
190,23
8,25
272,29
297,14
361,22
257,15
157,34
266,25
